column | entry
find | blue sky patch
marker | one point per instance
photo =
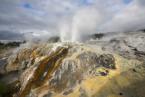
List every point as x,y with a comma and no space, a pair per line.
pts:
27,5
84,2
127,1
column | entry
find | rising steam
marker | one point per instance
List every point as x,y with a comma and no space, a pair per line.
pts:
83,23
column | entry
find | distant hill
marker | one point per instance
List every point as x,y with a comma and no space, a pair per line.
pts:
10,44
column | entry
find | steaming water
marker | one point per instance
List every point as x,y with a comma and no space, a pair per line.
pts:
82,23
69,33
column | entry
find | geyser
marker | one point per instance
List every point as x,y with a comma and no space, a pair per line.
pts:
81,24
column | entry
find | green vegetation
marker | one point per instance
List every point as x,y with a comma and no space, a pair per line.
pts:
98,36
10,45
3,88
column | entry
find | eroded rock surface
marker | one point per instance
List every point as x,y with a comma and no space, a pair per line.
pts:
74,70
129,45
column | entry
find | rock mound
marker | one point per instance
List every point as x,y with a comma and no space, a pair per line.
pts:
70,70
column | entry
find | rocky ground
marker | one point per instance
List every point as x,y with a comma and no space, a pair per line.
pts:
113,66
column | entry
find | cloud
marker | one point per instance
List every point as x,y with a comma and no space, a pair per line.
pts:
7,35
72,19
130,18
86,20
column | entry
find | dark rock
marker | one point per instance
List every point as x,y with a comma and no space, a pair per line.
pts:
66,76
3,63
87,58
120,94
48,95
97,36
54,39
7,90
134,70
68,92
104,73
106,60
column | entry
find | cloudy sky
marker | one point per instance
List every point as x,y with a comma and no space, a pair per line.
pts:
44,18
